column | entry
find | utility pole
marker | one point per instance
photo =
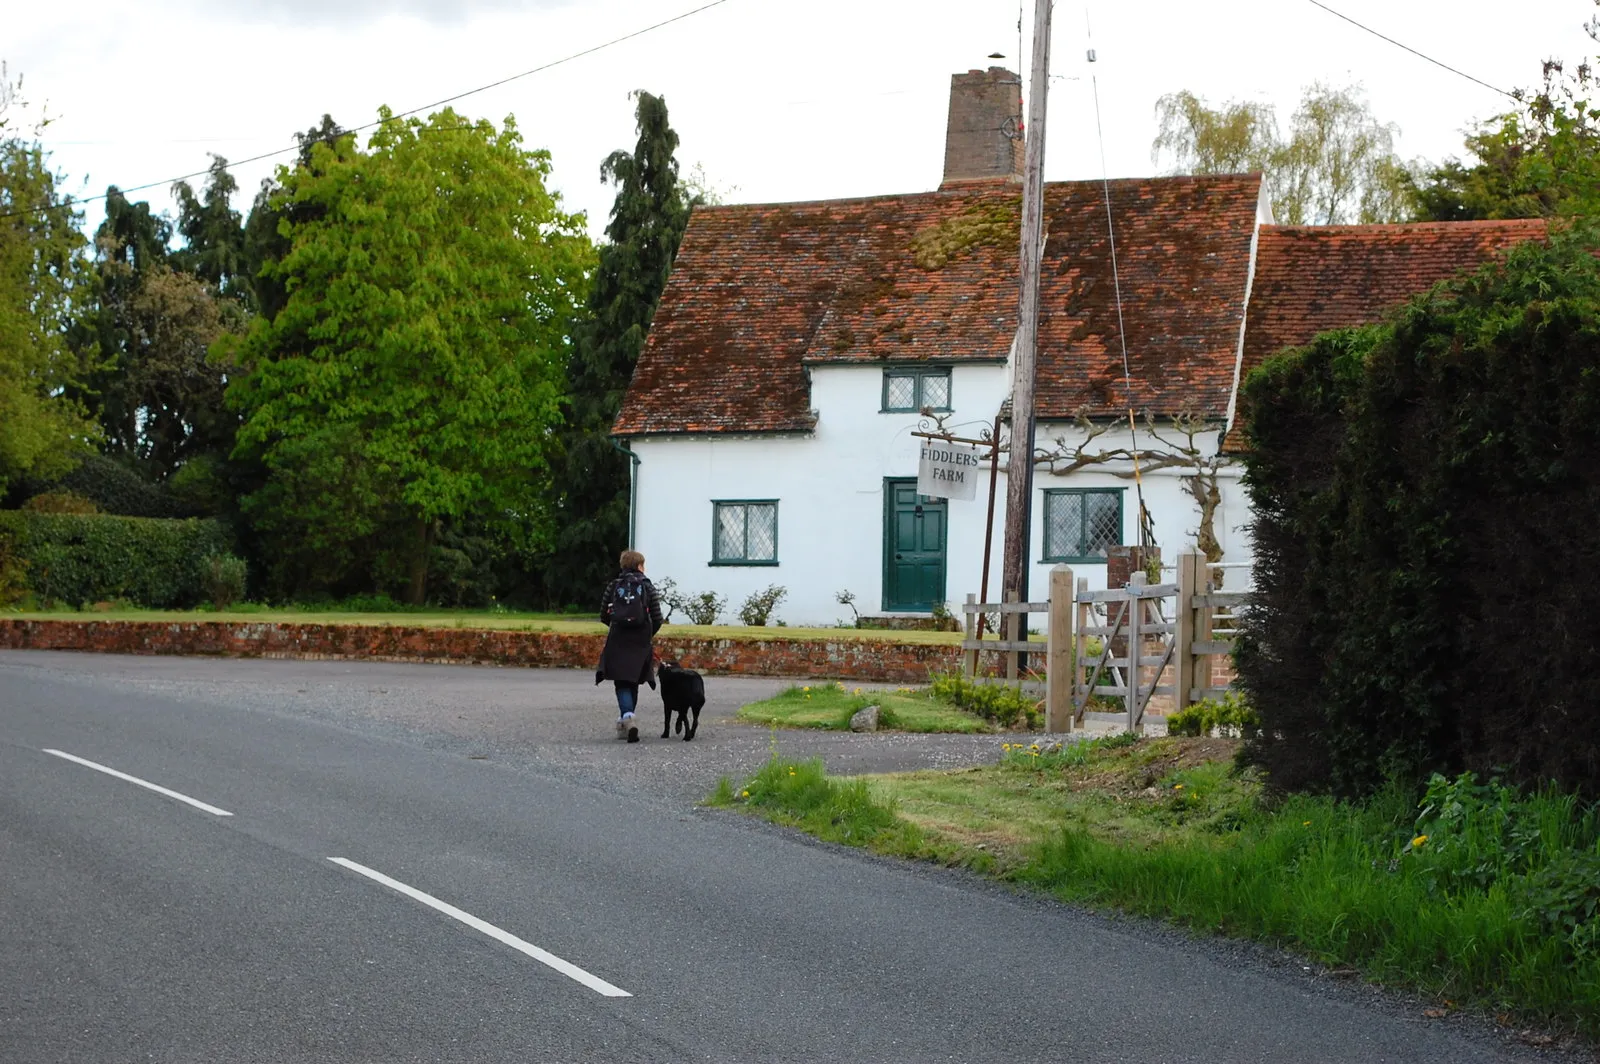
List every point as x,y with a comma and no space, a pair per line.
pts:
1019,475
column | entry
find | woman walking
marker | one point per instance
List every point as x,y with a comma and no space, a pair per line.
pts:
631,611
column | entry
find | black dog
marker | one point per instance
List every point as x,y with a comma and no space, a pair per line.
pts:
682,690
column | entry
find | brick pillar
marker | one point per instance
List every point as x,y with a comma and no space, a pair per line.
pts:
1123,562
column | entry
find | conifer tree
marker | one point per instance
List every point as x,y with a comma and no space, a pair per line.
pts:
648,218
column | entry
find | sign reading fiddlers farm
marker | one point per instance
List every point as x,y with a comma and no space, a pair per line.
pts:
948,470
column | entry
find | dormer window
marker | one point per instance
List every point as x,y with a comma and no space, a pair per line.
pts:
906,391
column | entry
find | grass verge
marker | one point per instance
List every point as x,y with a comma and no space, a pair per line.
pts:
1479,896
566,624
830,707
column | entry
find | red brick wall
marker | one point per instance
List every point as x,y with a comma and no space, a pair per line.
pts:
869,661
847,659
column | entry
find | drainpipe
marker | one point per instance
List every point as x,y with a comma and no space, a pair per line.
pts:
633,487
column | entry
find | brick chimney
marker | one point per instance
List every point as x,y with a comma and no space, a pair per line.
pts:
983,137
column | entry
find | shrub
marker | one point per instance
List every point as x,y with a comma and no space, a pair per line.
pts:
78,559
115,489
848,598
223,578
60,502
703,608
1004,705
1423,491
759,606
13,572
1231,714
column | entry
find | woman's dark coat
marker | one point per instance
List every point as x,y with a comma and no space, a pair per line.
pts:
627,656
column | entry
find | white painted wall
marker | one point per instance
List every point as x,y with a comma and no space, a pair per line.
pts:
829,487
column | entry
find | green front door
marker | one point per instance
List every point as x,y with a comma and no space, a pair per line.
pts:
913,548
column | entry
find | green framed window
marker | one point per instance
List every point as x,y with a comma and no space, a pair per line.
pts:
907,390
744,532
1080,523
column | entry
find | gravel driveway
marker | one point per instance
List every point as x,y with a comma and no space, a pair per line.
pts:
554,720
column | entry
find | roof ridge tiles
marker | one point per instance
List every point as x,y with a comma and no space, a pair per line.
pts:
956,190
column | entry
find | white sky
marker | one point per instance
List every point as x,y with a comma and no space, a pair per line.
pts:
804,99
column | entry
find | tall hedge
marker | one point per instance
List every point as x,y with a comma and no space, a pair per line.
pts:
77,558
1427,531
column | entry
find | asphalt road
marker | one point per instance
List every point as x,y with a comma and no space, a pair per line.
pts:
369,862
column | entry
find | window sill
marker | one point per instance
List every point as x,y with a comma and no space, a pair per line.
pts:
742,562
915,410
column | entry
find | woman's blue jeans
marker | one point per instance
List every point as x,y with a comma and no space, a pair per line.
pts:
627,698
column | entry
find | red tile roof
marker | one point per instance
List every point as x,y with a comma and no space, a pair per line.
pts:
1310,279
759,292
1313,278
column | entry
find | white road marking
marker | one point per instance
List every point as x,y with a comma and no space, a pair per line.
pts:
213,810
566,968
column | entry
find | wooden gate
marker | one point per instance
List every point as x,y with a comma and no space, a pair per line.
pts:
1136,644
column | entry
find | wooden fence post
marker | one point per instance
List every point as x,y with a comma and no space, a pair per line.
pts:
1188,587
1080,674
1135,640
1010,624
1203,621
969,659
1062,657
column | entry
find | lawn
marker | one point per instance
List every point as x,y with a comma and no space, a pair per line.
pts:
1478,896
565,623
830,707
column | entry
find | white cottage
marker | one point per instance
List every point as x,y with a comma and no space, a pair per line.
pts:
798,345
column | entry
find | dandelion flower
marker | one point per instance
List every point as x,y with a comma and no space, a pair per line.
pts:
1305,823
805,688
1418,841
744,794
1177,786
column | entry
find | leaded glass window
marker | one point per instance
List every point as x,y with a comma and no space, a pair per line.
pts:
1079,524
909,390
745,532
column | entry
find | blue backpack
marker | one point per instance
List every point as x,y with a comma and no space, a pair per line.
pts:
629,608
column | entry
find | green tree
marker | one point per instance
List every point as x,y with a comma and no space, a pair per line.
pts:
413,374
263,242
648,218
165,388
1337,164
213,232
44,428
1540,161
158,393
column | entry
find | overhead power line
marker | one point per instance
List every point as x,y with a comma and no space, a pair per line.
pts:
400,114
1413,51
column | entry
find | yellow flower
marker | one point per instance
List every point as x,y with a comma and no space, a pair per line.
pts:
858,690
1305,823
744,794
1177,786
1418,841
805,688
